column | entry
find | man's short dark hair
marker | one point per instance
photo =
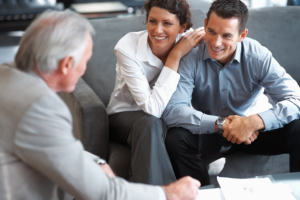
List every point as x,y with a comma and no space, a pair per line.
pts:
230,8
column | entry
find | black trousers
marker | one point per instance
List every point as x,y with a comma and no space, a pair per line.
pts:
145,134
187,150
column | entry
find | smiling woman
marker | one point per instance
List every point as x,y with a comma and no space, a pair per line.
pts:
146,78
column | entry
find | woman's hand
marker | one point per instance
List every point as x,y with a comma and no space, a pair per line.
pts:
189,41
183,46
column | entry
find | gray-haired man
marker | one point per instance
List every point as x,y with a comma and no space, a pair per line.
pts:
37,149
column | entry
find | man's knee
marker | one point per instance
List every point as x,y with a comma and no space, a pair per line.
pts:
177,139
294,125
293,132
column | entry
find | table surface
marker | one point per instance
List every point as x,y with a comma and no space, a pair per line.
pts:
291,179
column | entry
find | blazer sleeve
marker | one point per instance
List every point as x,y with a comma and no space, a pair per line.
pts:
44,141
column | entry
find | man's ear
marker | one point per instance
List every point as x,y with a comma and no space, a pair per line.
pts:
66,64
183,28
205,23
243,35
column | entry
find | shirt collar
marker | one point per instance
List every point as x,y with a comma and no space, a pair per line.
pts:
237,53
141,53
236,56
145,54
206,54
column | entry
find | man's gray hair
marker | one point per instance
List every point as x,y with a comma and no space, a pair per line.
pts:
51,37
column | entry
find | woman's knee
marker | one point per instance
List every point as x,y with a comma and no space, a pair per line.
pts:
150,126
150,121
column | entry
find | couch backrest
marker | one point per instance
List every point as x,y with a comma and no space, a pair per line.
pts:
277,28
101,70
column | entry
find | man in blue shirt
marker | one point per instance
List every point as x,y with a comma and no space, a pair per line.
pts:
219,103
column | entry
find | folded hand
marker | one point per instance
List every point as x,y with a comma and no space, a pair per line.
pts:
239,129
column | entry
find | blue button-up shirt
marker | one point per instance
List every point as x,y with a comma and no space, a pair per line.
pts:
208,90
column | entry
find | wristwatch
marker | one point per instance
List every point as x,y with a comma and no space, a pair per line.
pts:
220,122
100,161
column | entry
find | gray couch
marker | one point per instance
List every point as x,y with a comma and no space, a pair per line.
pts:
277,28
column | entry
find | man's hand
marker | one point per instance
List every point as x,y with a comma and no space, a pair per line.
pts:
185,188
242,129
107,170
252,138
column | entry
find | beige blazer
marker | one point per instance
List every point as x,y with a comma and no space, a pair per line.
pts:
39,154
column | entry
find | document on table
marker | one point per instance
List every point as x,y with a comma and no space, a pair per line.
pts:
254,189
247,189
210,194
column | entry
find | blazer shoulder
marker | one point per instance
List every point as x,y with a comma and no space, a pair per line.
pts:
19,90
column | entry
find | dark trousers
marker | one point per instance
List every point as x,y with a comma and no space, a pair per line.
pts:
187,150
145,134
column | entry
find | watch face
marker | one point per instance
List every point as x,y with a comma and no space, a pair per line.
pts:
221,120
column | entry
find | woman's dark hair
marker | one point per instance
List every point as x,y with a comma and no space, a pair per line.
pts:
180,8
230,8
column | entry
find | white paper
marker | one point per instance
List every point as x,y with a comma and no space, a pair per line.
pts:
254,189
210,194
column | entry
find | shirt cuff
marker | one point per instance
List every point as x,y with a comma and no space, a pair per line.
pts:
269,119
169,77
161,194
208,124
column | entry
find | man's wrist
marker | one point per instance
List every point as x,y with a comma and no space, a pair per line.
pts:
168,194
257,121
220,123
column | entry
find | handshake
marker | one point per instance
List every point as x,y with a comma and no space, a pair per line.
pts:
237,129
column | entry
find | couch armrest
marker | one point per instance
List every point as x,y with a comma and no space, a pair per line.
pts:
90,121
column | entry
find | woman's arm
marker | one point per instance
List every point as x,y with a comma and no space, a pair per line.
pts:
151,101
154,100
184,46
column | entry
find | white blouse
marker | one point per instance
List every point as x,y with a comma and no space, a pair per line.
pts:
142,81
